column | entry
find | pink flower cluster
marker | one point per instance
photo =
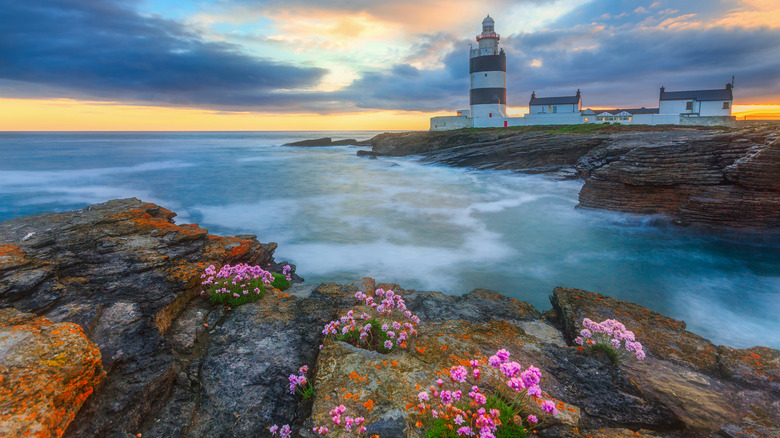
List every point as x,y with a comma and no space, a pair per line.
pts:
298,380
463,402
384,306
344,422
610,333
286,272
284,431
236,281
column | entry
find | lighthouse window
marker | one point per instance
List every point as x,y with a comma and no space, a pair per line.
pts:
485,74
688,106
725,105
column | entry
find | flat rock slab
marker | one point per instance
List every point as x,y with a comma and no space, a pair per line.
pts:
47,370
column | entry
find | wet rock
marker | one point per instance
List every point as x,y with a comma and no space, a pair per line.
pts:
47,370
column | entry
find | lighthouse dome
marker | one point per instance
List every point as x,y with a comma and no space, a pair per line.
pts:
488,25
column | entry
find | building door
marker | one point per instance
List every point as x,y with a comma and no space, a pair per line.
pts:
506,123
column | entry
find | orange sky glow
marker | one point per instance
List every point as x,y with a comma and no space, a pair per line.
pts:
73,115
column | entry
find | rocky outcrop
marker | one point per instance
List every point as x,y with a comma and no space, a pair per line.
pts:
727,180
47,371
327,141
177,366
695,175
123,271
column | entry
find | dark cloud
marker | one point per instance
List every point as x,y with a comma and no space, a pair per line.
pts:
107,50
626,66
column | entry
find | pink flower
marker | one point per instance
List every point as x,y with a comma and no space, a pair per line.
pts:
579,341
458,374
532,419
535,391
465,430
423,396
440,382
585,333
388,344
503,355
549,407
459,420
273,429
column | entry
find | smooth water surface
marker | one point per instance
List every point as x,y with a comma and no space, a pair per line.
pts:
340,217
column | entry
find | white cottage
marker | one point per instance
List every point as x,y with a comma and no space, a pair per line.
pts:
701,103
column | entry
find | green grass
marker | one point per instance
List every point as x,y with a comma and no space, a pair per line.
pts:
228,299
592,128
280,282
376,338
609,351
438,427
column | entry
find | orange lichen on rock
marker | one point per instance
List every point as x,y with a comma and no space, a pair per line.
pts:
47,371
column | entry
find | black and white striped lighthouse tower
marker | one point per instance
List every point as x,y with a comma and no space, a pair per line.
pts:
487,66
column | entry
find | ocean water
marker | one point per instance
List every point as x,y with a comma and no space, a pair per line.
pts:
340,217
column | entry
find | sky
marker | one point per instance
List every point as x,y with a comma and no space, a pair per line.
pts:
357,64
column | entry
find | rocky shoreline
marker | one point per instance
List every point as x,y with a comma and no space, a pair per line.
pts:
101,322
714,177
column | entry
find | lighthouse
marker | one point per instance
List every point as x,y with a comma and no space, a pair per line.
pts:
487,67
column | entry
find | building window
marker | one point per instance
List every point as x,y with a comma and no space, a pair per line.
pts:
587,119
688,106
726,105
490,115
555,110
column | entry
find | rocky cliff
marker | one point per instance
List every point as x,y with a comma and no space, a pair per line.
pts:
123,277
712,177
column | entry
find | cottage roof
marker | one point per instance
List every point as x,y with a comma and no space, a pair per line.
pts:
700,95
562,100
628,111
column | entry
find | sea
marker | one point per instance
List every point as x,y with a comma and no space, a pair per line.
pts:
340,217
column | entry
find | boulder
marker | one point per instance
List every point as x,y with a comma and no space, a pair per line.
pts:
47,371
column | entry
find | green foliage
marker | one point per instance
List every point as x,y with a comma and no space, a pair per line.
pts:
440,428
508,428
306,392
609,351
280,282
374,342
229,299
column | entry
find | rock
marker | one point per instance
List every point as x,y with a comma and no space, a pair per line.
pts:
179,366
327,141
47,371
123,271
661,336
724,180
694,175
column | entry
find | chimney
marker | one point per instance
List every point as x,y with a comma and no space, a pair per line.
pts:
728,86
662,91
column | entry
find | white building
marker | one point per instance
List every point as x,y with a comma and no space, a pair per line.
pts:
487,99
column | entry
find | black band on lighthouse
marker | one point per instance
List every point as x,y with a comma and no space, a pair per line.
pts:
488,95
487,63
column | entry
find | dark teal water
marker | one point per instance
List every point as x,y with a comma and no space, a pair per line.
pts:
340,217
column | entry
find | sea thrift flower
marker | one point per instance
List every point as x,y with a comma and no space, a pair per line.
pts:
388,344
532,419
503,355
423,396
465,431
549,407
458,374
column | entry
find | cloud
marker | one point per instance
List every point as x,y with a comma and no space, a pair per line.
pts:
106,50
